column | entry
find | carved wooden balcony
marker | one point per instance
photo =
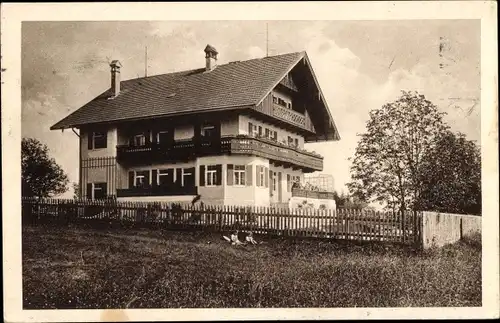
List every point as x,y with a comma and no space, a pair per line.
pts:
289,115
278,153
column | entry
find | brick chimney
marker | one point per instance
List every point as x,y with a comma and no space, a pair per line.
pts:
115,77
210,58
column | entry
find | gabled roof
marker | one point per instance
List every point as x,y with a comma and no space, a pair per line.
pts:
231,85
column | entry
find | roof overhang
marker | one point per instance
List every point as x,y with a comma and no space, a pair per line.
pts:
178,114
331,131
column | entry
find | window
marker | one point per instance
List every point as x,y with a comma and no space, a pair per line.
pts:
288,183
208,130
188,177
139,140
296,142
260,176
290,141
162,137
141,178
275,136
165,176
211,175
239,175
99,190
275,184
267,134
260,131
98,140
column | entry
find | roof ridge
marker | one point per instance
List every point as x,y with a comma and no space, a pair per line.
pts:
201,68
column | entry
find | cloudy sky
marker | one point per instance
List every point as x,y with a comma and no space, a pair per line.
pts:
360,65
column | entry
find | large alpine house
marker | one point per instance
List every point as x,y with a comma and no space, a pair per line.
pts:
231,133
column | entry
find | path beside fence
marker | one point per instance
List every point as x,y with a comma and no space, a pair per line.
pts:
336,224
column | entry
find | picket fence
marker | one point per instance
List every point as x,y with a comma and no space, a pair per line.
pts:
344,224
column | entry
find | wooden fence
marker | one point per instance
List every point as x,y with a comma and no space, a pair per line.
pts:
335,224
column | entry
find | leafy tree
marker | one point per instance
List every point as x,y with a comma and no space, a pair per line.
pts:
76,191
41,176
451,176
388,159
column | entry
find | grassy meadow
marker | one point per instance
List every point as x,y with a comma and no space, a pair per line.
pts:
75,268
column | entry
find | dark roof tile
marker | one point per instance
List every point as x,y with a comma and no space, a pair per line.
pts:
235,84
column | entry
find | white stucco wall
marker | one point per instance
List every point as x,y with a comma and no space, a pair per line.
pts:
183,132
109,151
229,126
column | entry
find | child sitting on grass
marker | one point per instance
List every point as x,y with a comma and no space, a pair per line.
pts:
249,238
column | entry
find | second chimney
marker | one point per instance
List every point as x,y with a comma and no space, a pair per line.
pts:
210,58
115,77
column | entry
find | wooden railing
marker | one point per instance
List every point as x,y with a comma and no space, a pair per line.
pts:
289,115
276,151
157,191
299,192
330,224
240,144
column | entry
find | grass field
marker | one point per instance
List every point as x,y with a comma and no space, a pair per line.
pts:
85,268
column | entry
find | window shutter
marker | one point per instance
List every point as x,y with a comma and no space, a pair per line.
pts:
89,191
170,176
90,139
257,176
230,174
250,128
105,139
218,175
146,178
275,137
154,134
178,177
266,177
130,179
202,175
105,189
288,182
197,131
260,131
154,177
249,175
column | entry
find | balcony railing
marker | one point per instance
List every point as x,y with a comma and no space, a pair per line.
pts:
299,192
274,151
241,144
289,115
157,191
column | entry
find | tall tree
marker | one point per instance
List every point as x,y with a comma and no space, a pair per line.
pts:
388,158
451,176
41,176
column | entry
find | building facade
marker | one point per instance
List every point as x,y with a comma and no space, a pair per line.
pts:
232,134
